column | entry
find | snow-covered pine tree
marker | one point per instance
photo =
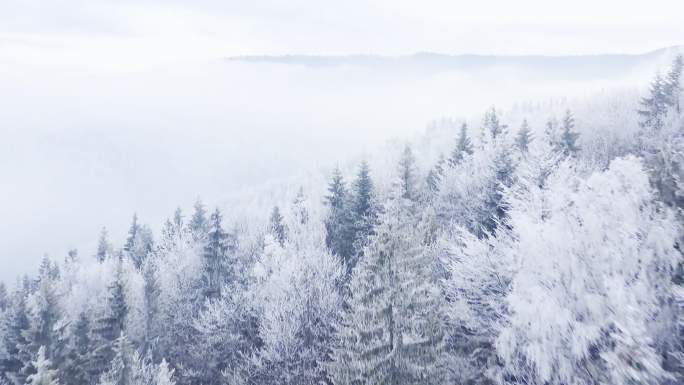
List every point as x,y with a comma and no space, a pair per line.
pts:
363,212
654,106
299,208
125,367
407,175
150,308
103,246
567,143
434,177
78,365
339,237
524,137
112,323
392,330
164,374
44,374
276,226
673,86
218,258
16,322
463,147
199,223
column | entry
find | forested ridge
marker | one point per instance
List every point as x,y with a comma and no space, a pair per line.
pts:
536,250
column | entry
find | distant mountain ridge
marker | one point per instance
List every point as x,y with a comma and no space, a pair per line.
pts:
589,65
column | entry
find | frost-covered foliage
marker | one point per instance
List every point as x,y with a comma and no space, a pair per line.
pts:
540,245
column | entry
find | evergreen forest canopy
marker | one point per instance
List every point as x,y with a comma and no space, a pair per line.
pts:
539,250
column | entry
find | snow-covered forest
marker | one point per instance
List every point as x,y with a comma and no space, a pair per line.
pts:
537,245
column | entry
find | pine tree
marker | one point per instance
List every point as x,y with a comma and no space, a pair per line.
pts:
276,227
199,223
492,124
103,246
124,368
4,297
16,322
392,332
654,107
299,207
129,246
673,86
112,323
567,144
218,258
407,175
363,212
435,175
44,375
524,137
78,366
164,375
463,147
151,304
339,236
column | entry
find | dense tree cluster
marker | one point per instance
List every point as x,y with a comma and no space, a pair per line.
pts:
525,257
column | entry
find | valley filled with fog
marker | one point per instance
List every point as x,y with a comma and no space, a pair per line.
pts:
85,148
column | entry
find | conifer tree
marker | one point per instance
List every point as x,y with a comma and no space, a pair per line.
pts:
218,259
363,212
567,145
392,331
103,246
164,374
112,323
4,297
492,124
78,365
44,374
299,207
16,322
673,86
124,368
463,147
199,223
654,107
407,175
151,304
338,223
524,137
276,227
435,175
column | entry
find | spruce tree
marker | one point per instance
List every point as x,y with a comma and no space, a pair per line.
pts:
124,367
16,322
363,212
524,137
673,86
299,207
199,223
103,246
407,175
654,107
44,374
463,147
151,305
392,330
435,175
4,297
276,227
218,259
492,124
78,365
567,145
339,236
110,325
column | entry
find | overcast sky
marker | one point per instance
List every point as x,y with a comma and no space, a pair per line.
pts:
124,35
